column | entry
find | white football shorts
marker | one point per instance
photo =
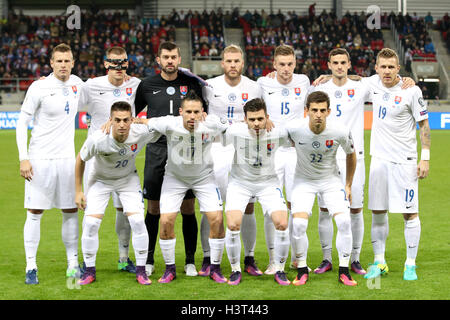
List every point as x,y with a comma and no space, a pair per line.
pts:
223,160
357,184
393,186
52,184
269,195
128,190
88,167
285,162
331,191
174,189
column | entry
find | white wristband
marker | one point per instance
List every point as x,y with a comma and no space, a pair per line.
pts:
425,155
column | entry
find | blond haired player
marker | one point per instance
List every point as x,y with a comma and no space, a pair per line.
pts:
226,96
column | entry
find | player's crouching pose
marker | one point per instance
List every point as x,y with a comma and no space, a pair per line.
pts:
253,175
114,170
316,143
190,166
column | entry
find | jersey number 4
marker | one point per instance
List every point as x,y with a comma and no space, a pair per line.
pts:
66,108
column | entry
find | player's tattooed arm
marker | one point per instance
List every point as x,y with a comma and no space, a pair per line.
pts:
425,139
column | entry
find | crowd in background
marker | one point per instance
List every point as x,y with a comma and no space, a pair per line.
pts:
26,41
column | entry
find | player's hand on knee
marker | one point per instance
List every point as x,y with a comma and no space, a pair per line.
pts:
423,169
80,200
26,170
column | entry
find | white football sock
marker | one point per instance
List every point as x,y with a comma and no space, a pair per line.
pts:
216,246
412,238
357,220
269,231
326,234
343,238
290,226
69,234
204,236
168,250
281,248
299,226
31,237
233,246
379,232
123,231
248,232
89,239
140,238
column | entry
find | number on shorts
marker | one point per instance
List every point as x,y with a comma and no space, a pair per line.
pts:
121,164
409,195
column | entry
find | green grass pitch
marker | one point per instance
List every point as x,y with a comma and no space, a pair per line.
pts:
432,261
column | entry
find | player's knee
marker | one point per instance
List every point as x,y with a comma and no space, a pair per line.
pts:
299,226
343,222
91,226
233,225
153,207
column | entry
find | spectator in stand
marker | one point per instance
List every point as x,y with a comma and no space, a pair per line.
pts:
429,19
429,46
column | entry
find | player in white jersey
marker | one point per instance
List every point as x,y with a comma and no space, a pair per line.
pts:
190,166
113,170
394,167
48,163
347,98
253,175
226,96
285,97
316,172
98,95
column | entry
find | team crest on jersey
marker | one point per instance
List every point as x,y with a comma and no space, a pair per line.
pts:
329,143
397,99
116,92
285,92
245,97
129,91
298,91
122,152
183,90
232,97
338,94
316,144
74,89
170,91
270,146
386,96
134,147
351,93
65,91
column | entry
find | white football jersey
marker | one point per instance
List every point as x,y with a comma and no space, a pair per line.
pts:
228,102
112,159
188,153
254,156
99,95
316,153
285,102
347,107
395,113
54,105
